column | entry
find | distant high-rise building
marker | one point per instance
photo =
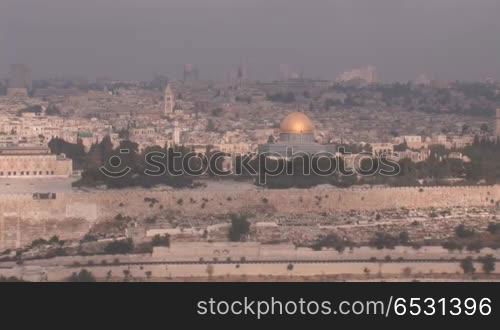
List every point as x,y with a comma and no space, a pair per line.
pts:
20,76
20,81
422,79
242,73
497,123
284,71
191,72
169,100
238,74
367,74
288,72
490,80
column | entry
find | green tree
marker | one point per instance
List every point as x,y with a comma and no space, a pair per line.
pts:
494,228
74,151
404,238
331,241
217,112
10,279
83,276
120,247
383,240
55,240
467,266
240,227
210,125
462,232
161,240
210,270
52,110
488,264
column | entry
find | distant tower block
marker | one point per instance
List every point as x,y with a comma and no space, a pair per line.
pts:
284,71
191,72
497,123
169,100
242,74
20,77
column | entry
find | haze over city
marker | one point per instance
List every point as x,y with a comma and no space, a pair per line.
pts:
250,140
129,39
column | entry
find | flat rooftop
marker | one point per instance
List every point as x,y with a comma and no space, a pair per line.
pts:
9,151
29,186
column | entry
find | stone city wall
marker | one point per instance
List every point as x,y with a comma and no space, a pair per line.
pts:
107,204
81,209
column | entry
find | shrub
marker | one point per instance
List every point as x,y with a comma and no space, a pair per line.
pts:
384,240
331,241
488,263
83,276
467,266
494,228
161,240
120,247
452,245
462,232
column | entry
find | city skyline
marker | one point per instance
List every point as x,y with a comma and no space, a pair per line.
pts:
132,41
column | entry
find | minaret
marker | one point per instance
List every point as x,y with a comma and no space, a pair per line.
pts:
169,100
497,124
177,133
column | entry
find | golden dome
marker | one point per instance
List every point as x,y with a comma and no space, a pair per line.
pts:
297,123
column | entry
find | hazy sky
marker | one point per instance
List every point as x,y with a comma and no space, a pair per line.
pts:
133,39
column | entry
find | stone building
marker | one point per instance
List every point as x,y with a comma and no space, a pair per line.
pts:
382,148
176,135
414,141
169,101
33,162
367,74
17,92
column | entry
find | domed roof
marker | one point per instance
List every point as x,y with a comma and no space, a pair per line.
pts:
296,123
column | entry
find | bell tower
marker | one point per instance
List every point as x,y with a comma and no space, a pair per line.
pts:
169,101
